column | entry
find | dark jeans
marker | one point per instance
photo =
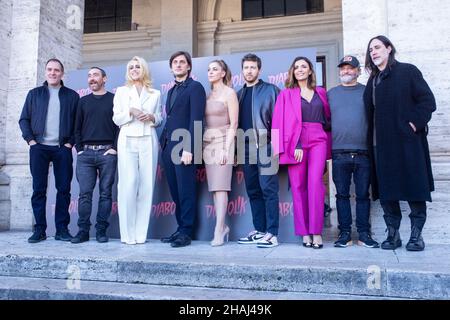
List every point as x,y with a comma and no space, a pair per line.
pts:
183,189
89,163
262,191
344,166
393,215
40,158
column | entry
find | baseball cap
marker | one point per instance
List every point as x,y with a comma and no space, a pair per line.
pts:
350,60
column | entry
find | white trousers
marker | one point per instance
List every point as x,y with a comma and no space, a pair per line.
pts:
137,162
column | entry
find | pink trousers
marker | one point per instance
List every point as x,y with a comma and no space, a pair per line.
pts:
308,190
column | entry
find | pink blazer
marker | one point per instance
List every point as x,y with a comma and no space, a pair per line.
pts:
287,123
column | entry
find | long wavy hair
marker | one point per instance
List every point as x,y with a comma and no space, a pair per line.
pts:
371,67
227,78
145,77
291,82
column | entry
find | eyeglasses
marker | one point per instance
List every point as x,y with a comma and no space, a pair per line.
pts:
131,67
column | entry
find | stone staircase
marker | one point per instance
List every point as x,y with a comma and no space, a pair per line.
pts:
58,270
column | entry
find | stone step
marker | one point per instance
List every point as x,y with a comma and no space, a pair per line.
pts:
13,288
288,268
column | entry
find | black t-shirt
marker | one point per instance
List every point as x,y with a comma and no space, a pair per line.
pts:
245,110
94,124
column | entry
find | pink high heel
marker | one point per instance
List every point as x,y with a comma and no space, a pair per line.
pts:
223,238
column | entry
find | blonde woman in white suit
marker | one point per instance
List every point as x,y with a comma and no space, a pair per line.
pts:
137,111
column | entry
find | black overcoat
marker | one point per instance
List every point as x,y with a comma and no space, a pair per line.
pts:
402,166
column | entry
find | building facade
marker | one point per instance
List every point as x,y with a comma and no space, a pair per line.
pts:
31,31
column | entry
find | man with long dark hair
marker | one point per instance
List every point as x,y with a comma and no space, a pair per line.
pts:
400,104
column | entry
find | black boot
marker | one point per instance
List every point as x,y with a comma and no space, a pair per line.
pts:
393,240
415,242
81,236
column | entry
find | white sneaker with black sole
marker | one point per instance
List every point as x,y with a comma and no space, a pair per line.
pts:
268,241
252,238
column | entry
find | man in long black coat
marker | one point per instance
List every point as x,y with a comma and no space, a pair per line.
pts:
400,105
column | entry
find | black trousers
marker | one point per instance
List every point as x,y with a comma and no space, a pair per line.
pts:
40,158
262,190
183,189
393,215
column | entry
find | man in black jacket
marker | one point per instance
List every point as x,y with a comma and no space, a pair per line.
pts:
185,110
47,125
400,104
256,102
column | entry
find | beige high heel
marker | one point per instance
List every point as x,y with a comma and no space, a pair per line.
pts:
223,238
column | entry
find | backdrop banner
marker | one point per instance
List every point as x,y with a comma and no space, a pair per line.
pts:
275,65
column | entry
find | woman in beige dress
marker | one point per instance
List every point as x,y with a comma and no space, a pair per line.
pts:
221,117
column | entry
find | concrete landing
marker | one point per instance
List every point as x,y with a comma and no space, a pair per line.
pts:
288,271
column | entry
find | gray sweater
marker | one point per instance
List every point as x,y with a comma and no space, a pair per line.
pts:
51,133
348,117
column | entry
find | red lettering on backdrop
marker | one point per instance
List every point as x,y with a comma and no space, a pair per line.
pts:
84,92
165,87
159,172
239,176
210,211
201,175
114,208
163,209
73,206
278,79
285,209
235,207
238,80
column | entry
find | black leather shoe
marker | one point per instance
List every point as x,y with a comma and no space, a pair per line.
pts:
393,240
82,236
181,241
415,242
37,236
170,238
63,235
101,236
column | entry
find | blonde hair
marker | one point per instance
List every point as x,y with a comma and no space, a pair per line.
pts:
227,77
291,82
145,77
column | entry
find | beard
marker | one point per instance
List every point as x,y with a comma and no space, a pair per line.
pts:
251,79
348,78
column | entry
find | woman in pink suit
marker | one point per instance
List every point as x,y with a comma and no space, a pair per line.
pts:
302,116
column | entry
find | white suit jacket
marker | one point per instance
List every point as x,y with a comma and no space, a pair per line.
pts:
149,102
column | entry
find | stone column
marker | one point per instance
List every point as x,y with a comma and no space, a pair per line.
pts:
40,29
178,27
362,20
207,37
5,40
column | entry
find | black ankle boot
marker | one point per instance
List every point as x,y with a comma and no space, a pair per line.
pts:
415,242
393,240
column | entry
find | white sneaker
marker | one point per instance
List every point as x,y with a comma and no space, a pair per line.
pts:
268,241
252,238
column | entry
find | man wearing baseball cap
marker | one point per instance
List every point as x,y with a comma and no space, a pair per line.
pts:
349,128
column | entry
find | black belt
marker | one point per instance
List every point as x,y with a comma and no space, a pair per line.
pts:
97,147
352,152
